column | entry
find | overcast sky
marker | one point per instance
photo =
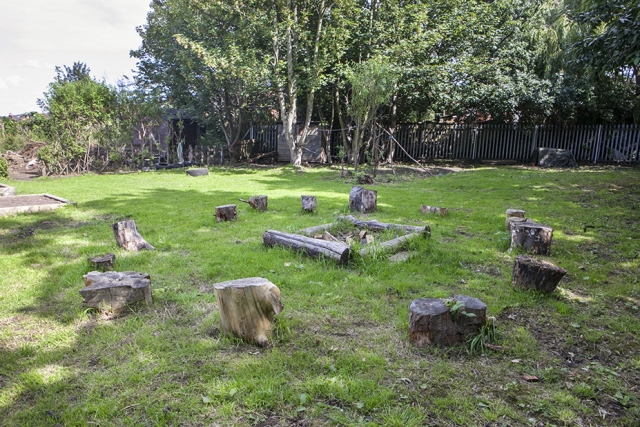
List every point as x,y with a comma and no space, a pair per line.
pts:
37,35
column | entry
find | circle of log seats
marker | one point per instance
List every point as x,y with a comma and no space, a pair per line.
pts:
309,203
226,213
513,213
532,273
247,308
362,200
533,237
432,322
198,172
114,291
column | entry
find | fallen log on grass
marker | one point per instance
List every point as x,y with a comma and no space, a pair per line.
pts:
376,225
313,247
389,245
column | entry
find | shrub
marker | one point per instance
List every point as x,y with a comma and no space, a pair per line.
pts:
4,168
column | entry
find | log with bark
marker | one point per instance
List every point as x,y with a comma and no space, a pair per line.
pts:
313,247
362,200
532,273
128,238
434,210
432,321
381,226
247,308
312,231
308,203
513,213
114,291
103,262
257,202
226,213
533,237
389,246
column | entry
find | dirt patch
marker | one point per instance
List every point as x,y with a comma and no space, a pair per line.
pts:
10,202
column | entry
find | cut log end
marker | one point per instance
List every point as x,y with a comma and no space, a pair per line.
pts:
104,262
226,213
532,237
309,203
363,200
313,247
114,291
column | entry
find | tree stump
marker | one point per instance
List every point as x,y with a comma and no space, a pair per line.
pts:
308,203
313,247
257,202
113,291
514,213
431,320
198,172
103,262
434,210
541,275
226,213
128,238
247,307
362,200
556,158
533,237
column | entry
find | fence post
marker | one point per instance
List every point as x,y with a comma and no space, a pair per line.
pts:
595,155
475,141
534,141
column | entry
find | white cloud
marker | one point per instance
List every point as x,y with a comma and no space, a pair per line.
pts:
14,80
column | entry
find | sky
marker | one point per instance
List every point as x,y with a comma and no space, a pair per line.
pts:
38,35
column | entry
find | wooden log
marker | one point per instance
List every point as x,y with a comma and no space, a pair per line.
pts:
103,262
128,238
533,237
362,200
376,225
541,275
515,219
513,213
432,321
312,231
434,210
198,172
114,291
247,308
257,202
389,246
226,213
308,203
313,247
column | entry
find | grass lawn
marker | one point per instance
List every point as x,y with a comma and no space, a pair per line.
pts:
340,353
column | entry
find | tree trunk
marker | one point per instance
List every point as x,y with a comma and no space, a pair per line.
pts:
313,247
363,200
104,262
376,225
531,273
247,308
114,291
513,213
535,238
308,203
257,202
226,213
128,238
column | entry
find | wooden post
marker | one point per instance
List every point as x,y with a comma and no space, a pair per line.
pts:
247,308
363,200
104,262
128,238
513,213
308,203
113,291
541,275
533,237
226,213
257,202
313,247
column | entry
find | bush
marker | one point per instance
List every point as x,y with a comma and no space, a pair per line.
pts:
4,168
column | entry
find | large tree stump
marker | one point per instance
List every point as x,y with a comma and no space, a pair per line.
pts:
434,210
257,202
381,226
541,275
362,200
309,203
431,320
313,247
113,291
533,237
226,213
511,214
556,158
103,262
247,307
128,238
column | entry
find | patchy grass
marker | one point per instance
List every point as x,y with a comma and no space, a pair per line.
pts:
340,353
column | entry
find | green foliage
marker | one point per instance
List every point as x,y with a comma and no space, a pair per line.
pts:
4,168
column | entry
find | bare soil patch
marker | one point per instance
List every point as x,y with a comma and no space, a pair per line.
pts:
10,202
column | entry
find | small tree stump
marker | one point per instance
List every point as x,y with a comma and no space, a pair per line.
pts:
434,210
541,275
363,200
257,202
104,262
128,238
113,291
513,213
432,322
247,307
313,247
308,203
226,213
533,237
